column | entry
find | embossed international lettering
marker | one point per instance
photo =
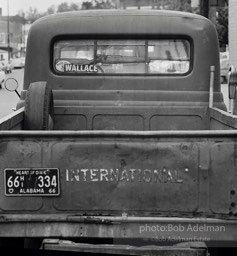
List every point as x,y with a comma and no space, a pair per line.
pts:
163,175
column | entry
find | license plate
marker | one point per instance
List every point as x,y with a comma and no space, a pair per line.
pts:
31,182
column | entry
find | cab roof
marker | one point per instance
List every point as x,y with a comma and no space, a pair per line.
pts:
121,21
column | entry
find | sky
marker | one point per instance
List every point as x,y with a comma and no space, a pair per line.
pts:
41,5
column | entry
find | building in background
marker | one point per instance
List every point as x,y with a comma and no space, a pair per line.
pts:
11,37
19,28
233,32
207,7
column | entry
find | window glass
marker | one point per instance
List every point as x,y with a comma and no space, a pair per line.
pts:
125,56
122,56
169,56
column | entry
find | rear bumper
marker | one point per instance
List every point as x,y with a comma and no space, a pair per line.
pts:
149,228
182,249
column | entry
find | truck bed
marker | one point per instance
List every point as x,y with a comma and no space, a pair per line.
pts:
121,184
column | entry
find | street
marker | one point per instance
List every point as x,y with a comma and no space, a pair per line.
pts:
8,100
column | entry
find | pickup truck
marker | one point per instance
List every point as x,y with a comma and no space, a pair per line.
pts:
121,142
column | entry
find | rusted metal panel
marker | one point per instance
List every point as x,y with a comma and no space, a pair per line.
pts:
123,181
223,178
127,176
139,173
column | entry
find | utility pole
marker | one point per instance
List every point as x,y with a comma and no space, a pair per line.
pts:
204,8
8,32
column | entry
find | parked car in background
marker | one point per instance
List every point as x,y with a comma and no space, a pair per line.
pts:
18,62
6,66
2,77
224,66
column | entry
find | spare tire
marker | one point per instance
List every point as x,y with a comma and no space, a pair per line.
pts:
39,109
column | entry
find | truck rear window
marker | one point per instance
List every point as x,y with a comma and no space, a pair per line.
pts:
160,56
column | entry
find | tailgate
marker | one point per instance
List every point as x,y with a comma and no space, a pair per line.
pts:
110,173
101,172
